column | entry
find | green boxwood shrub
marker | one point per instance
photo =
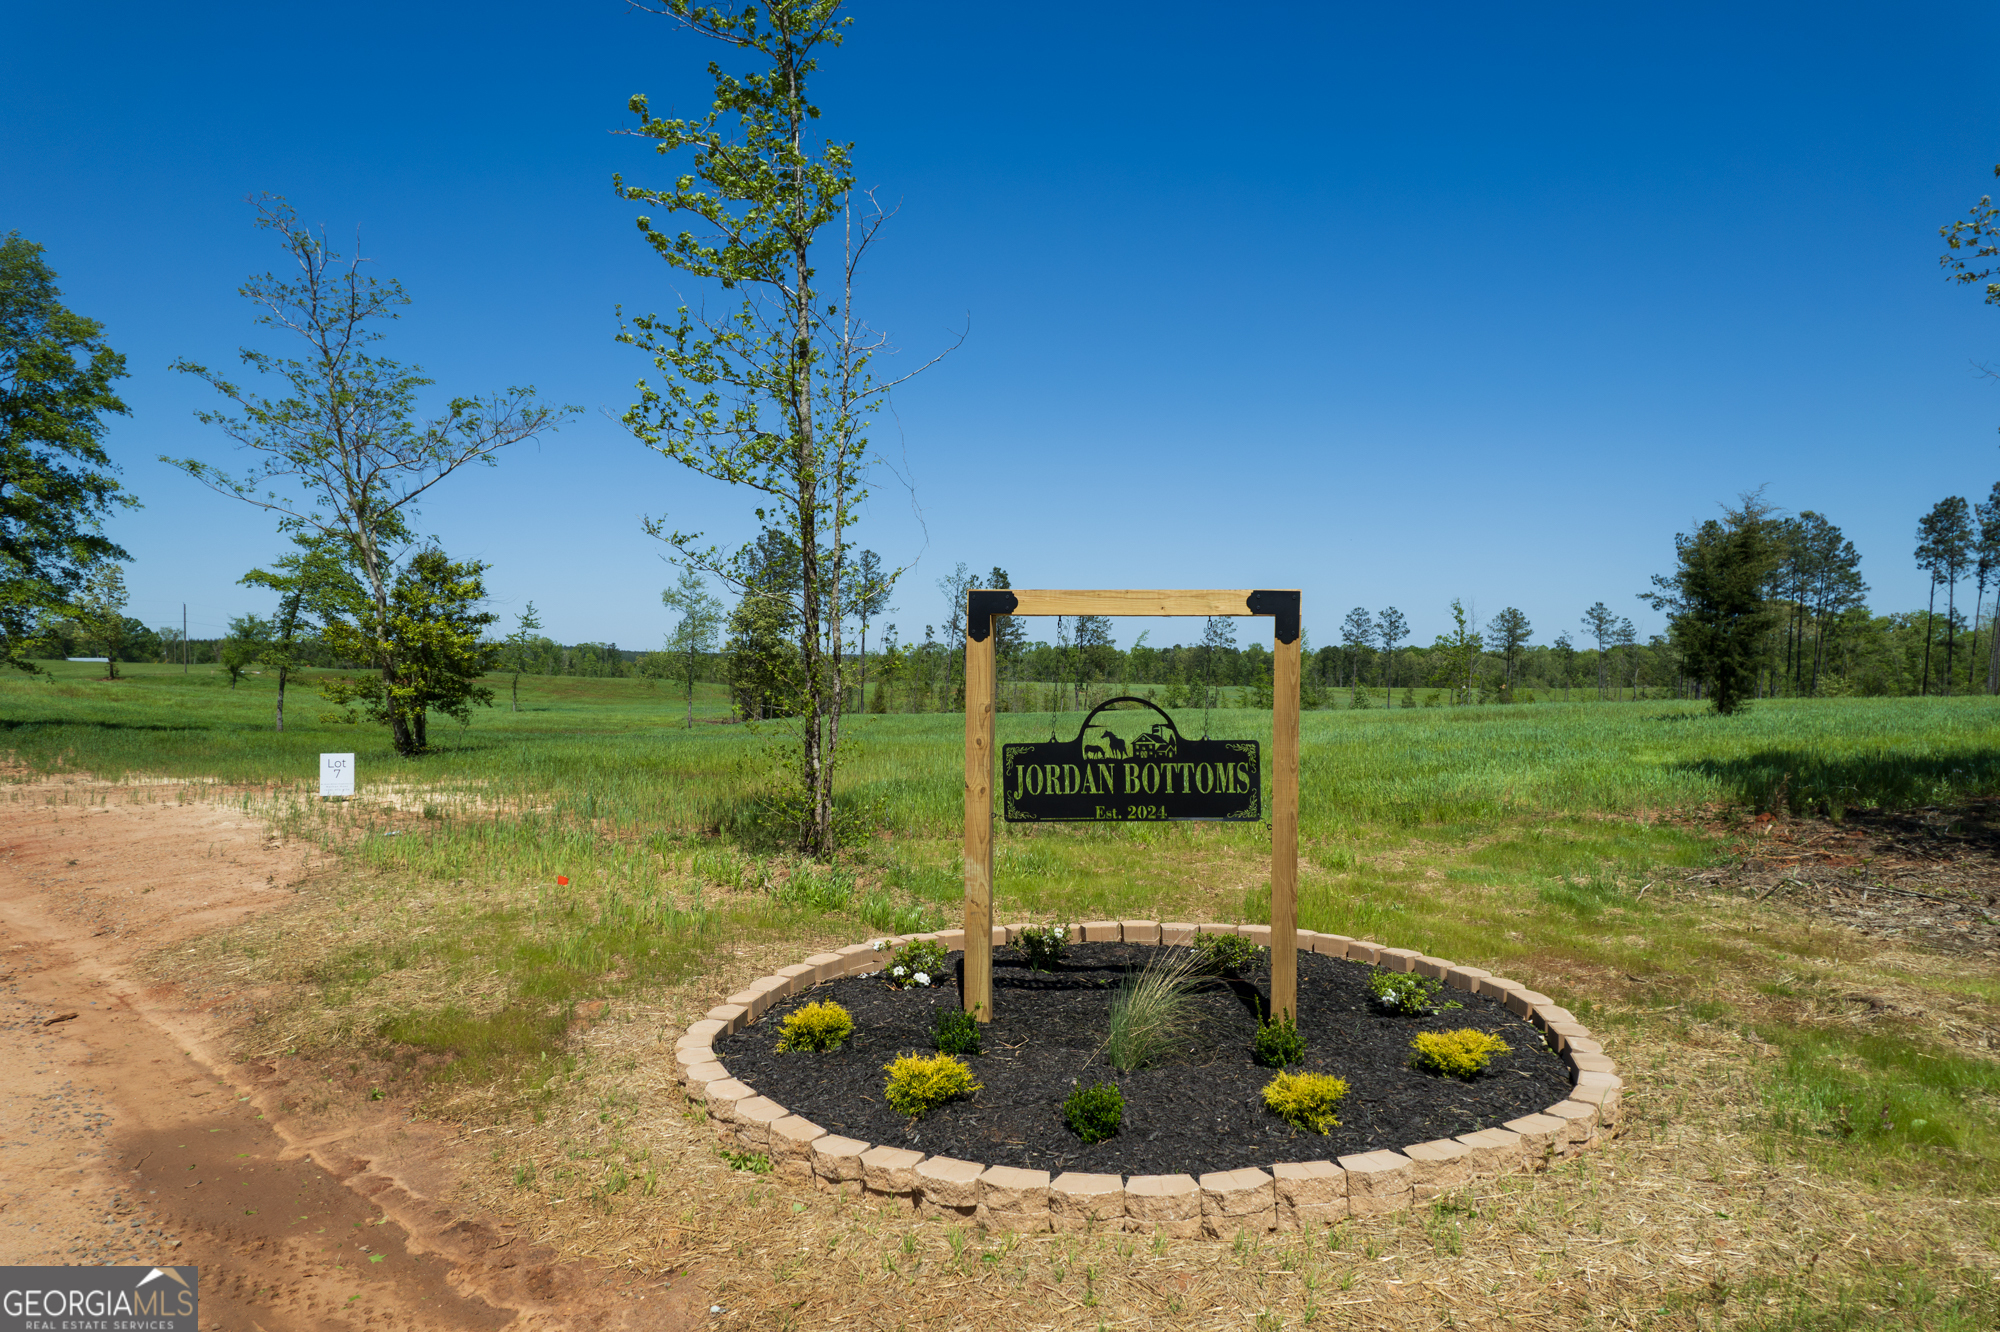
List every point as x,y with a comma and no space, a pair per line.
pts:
1279,1043
1094,1113
955,1032
1224,954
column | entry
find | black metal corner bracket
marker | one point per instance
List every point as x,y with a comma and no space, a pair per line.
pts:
1283,606
983,603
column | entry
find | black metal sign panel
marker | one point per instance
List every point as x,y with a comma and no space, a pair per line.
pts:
1129,768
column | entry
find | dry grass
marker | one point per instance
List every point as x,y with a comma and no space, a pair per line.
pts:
1701,1215
1688,1220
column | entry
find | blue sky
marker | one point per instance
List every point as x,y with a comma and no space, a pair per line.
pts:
1392,303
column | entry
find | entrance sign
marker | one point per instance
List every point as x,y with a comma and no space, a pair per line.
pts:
1119,771
336,774
982,604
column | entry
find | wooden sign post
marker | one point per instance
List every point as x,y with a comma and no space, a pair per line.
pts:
982,604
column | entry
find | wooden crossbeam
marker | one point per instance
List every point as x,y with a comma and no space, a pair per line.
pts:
1126,602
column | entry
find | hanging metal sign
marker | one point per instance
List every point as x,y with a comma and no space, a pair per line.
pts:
1130,768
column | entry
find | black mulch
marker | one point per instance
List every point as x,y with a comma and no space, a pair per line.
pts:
1203,1111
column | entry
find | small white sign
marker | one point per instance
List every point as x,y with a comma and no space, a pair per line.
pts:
336,774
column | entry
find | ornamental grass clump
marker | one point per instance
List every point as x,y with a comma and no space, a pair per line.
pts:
1455,1054
1279,1043
1042,945
919,962
955,1032
1306,1100
1404,992
1152,1011
1223,954
817,1027
921,1083
1094,1113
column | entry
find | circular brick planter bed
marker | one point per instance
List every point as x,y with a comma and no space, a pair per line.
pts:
1197,1152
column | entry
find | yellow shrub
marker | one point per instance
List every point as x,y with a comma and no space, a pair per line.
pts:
1459,1054
924,1082
820,1026
1306,1100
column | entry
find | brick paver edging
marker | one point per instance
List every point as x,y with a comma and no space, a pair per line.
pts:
1289,1195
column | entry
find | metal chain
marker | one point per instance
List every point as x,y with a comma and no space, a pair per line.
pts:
1207,672
1055,695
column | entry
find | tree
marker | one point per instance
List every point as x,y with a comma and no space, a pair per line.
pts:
1601,625
1715,600
101,614
1626,637
1356,631
1456,653
1971,240
867,597
521,642
1218,635
1824,573
954,586
1095,651
1391,628
343,454
694,632
1010,635
1565,654
314,585
1979,233
1985,570
56,482
761,656
774,395
434,633
249,636
1507,634
1944,549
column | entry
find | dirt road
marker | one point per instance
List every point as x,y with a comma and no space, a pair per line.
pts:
128,1136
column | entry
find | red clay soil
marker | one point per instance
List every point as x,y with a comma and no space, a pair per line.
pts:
128,1136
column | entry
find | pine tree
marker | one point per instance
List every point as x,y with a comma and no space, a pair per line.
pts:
1391,628
1944,549
1986,565
1716,599
1508,633
869,585
1356,631
1601,625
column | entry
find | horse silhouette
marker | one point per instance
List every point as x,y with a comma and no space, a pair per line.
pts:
1117,745
1089,750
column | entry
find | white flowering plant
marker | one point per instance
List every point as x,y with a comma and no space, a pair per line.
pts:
915,963
1042,945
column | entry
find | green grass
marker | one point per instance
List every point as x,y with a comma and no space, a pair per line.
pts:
1474,833
1891,1101
614,749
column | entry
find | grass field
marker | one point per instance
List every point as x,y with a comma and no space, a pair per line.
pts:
1553,841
